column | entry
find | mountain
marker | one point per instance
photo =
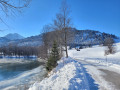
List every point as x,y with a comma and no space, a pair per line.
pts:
3,40
31,41
81,37
91,37
13,36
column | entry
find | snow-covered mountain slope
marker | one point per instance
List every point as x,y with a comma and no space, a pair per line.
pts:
91,37
13,36
10,38
29,41
80,37
3,40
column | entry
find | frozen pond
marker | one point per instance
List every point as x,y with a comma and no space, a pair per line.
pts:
19,72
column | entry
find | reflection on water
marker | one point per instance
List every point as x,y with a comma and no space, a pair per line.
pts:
10,69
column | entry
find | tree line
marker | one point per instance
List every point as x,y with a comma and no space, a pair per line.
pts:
14,50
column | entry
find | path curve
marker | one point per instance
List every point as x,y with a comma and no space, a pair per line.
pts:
111,77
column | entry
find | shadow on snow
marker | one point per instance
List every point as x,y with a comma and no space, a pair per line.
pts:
82,80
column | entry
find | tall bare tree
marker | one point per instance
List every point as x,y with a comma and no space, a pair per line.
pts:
63,23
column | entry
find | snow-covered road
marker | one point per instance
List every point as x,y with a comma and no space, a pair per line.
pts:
105,70
112,77
105,76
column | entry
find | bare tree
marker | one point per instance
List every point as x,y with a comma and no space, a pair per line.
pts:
47,39
10,7
63,23
60,31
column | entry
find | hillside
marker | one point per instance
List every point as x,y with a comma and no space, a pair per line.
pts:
91,37
13,36
81,37
29,41
9,38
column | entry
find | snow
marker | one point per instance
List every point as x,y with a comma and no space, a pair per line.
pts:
68,75
82,71
57,80
19,57
13,36
13,60
95,56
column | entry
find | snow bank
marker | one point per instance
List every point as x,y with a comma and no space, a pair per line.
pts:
68,75
58,79
14,61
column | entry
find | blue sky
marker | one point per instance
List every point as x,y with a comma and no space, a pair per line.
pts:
101,15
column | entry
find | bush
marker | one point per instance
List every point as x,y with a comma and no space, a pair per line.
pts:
109,43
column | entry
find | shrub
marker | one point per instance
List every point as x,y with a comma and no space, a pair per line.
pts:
109,43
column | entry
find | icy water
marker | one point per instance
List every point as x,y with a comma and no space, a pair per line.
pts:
10,69
22,71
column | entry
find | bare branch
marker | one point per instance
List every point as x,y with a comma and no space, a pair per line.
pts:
11,7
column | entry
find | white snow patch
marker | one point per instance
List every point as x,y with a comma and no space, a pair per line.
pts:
95,56
59,78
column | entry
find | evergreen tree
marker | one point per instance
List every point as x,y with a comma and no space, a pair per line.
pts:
54,57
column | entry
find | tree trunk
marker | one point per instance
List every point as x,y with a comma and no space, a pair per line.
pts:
66,44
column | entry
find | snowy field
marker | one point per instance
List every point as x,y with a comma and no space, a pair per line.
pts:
106,73
86,69
96,54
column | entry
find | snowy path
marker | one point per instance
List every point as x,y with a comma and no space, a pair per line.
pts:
104,75
70,75
77,74
88,83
